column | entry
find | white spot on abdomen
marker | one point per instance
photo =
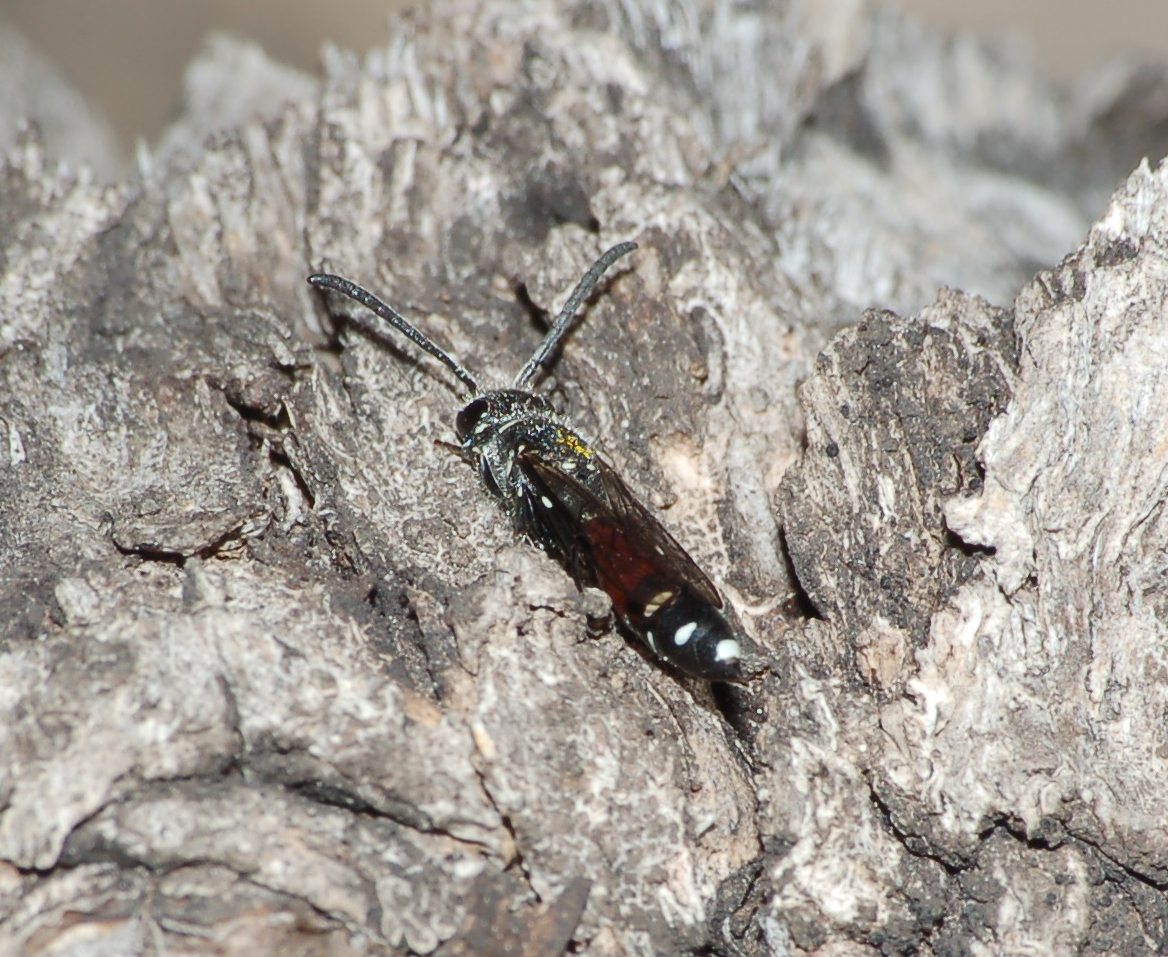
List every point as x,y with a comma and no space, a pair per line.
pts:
684,633
547,502
727,650
655,603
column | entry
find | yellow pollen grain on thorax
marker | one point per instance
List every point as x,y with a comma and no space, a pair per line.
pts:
573,443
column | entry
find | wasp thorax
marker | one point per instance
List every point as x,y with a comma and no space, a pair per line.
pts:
493,409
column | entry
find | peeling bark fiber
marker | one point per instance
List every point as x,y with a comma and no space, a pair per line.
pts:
891,361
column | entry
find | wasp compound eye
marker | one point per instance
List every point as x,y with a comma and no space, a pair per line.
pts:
470,417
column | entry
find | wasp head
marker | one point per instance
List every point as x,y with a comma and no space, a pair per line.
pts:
490,411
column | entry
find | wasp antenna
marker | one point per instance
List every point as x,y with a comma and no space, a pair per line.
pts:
390,315
582,291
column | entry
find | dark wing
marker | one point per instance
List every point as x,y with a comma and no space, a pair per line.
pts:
609,538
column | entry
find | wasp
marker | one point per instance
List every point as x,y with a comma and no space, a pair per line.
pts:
565,498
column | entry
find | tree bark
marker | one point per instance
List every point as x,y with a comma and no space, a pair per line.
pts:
277,677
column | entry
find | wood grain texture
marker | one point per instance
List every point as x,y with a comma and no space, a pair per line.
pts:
275,675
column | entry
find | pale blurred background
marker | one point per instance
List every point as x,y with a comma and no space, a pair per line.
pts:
128,56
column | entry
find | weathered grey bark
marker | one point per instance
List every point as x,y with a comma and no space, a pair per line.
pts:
275,677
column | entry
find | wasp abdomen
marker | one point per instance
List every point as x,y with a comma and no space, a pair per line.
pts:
694,635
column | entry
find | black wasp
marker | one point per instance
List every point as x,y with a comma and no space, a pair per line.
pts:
564,497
